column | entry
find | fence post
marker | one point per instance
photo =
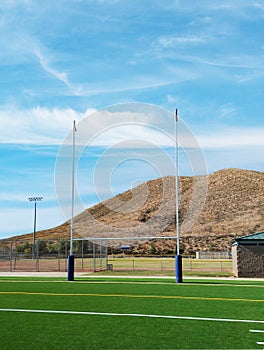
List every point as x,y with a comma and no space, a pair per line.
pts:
82,254
65,256
106,252
58,242
15,255
94,258
101,259
11,250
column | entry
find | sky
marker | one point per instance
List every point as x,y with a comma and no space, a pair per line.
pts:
71,59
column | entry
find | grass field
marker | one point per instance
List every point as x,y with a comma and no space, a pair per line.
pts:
138,313
166,266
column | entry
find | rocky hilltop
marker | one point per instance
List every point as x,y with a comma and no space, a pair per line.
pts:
212,210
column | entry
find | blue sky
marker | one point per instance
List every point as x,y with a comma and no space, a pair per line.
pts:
65,60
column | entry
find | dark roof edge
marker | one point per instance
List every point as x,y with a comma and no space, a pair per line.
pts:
252,237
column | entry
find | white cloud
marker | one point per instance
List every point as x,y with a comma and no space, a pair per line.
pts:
233,137
43,126
36,126
126,123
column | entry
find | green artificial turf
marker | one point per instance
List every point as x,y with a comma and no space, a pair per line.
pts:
241,300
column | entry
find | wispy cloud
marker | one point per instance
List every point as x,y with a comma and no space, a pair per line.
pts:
226,62
175,41
258,5
227,110
62,76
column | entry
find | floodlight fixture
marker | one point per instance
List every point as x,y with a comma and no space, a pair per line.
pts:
36,199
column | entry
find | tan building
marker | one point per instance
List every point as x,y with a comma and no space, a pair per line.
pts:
248,255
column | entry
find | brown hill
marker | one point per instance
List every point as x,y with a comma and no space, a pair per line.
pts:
212,210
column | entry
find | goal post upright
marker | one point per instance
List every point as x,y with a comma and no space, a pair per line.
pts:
178,257
71,256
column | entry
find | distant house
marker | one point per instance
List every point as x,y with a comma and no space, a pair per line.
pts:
248,255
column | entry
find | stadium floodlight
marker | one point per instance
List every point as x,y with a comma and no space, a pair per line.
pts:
34,199
71,256
178,257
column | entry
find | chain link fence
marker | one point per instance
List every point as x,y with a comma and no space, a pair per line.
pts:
52,255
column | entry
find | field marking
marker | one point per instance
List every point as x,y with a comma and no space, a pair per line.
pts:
172,283
137,282
134,296
224,285
256,331
31,281
131,315
260,342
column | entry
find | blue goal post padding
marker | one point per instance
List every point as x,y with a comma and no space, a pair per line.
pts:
71,268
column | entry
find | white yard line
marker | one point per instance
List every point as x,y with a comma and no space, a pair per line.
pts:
130,315
91,275
256,331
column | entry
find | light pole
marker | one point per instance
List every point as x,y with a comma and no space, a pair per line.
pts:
34,199
178,257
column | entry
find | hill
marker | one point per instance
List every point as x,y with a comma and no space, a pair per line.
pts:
212,210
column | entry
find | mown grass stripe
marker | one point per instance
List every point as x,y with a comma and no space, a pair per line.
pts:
130,315
134,296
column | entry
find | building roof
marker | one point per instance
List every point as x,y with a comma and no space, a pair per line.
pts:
256,238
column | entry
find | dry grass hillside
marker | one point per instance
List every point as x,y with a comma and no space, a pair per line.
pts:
212,210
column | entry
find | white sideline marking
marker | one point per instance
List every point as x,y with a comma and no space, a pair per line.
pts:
260,342
134,282
131,315
256,331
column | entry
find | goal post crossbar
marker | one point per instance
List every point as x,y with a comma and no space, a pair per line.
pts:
122,238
